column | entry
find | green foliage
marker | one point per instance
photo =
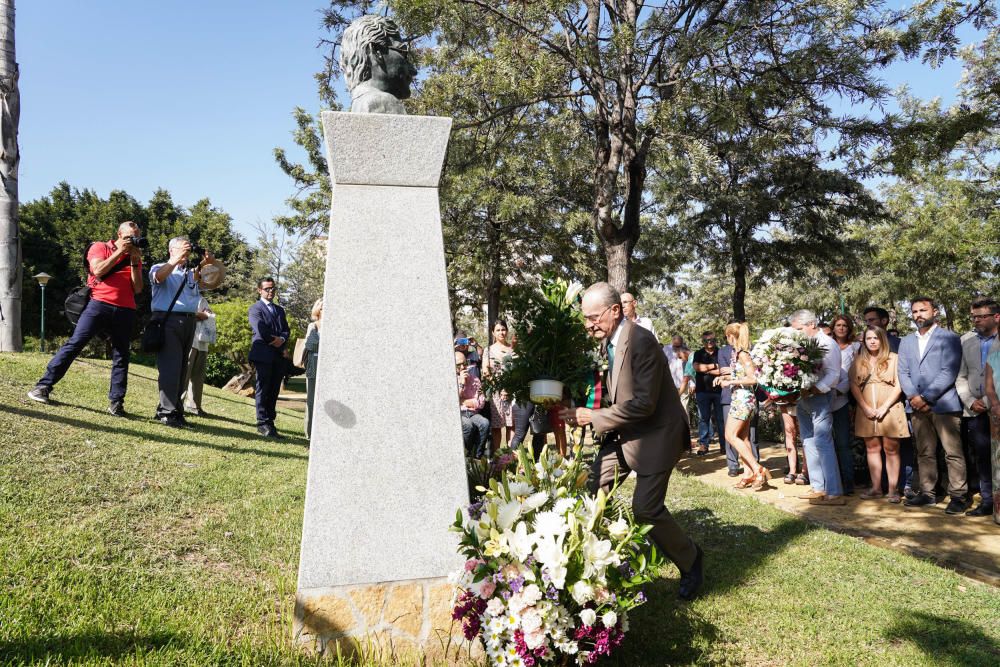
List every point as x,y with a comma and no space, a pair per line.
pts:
232,323
552,342
219,369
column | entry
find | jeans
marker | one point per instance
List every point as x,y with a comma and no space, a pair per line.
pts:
710,407
98,317
475,433
816,427
842,444
732,458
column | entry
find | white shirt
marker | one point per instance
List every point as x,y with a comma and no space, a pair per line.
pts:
923,339
645,323
676,365
843,387
830,373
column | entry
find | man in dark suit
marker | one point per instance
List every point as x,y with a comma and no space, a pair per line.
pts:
929,361
270,334
644,428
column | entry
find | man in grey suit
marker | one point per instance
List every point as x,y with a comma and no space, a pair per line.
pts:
929,361
976,346
644,428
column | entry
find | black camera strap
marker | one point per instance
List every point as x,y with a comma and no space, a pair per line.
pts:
121,263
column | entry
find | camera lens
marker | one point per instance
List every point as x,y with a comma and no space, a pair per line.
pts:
140,242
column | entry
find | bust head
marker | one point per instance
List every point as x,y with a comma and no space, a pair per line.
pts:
375,62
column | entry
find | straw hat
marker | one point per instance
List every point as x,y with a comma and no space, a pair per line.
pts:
212,275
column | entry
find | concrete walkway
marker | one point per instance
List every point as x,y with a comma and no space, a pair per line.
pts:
968,545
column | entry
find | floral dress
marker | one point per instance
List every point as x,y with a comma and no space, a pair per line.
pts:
743,403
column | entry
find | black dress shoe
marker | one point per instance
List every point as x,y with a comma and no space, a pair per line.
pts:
171,421
956,506
982,509
920,500
692,580
269,432
117,409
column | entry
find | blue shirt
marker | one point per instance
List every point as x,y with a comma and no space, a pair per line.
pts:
164,292
984,348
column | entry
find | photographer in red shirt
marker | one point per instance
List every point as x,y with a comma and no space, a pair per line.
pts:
115,276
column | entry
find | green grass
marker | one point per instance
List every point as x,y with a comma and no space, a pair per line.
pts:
126,542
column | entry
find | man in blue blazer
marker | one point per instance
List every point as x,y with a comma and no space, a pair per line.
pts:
270,333
929,362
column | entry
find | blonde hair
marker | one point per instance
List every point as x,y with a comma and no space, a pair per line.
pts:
317,310
738,335
882,358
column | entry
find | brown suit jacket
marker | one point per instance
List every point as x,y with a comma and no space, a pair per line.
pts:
645,409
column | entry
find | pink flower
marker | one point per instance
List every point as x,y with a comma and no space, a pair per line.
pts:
487,589
472,564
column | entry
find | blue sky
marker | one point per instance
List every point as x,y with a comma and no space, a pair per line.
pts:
190,96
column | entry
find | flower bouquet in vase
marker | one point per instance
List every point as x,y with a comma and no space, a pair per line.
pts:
788,361
549,577
553,348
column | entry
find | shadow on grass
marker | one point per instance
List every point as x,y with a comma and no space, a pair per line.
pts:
946,641
668,631
73,648
194,436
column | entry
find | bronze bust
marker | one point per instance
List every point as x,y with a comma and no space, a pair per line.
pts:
376,65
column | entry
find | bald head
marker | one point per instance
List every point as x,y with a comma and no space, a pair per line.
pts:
128,228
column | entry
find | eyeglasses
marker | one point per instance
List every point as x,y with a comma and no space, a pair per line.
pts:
594,319
268,289
707,340
976,318
629,301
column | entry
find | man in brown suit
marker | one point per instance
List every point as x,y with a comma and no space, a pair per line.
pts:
645,428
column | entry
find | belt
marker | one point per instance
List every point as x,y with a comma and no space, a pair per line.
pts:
164,313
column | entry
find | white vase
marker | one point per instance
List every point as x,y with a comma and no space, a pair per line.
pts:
545,392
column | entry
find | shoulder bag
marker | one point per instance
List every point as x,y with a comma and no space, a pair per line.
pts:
155,333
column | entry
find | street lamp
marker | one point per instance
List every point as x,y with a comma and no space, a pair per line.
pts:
43,278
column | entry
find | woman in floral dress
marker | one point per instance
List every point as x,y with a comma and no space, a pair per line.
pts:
742,379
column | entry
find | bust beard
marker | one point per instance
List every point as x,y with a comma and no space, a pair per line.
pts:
366,98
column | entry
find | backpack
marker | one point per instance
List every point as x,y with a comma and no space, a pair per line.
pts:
78,299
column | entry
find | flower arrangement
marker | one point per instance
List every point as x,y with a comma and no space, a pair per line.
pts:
548,576
552,343
787,361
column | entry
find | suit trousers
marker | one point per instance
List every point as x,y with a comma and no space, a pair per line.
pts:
976,432
171,362
267,386
610,468
927,428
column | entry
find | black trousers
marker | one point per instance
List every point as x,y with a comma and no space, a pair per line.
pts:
267,387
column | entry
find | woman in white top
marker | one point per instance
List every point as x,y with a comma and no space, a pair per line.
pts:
501,416
843,334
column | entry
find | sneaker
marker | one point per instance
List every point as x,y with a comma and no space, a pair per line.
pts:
117,409
956,506
40,394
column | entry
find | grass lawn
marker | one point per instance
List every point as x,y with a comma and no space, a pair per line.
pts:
127,542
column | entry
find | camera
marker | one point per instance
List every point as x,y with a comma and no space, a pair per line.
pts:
196,254
139,242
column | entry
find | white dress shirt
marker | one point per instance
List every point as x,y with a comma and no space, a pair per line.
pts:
843,387
923,339
829,375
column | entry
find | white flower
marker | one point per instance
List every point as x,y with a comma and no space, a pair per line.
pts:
536,500
597,555
549,551
549,524
531,620
531,594
618,528
557,576
520,542
495,608
520,489
564,505
609,619
588,616
582,592
507,514
535,638
572,291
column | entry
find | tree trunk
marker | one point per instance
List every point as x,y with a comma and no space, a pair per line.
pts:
740,269
10,238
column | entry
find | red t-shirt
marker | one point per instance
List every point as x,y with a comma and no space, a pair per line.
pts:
116,287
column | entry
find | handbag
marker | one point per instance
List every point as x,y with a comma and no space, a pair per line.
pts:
78,299
154,336
299,354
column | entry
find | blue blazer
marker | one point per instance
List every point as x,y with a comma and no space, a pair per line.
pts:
264,326
933,375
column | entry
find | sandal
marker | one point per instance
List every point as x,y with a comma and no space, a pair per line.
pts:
790,478
801,480
744,482
761,479
894,498
871,495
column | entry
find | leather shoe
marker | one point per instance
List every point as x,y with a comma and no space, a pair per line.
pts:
692,580
956,506
920,500
812,494
171,421
735,473
981,510
268,431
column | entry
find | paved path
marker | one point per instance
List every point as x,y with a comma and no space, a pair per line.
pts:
968,545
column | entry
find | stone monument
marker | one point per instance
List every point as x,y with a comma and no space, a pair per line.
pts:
386,463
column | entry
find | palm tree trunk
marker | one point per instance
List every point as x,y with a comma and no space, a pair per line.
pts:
10,238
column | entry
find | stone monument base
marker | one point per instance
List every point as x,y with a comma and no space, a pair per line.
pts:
405,621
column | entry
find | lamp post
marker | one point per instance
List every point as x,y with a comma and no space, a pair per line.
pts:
43,278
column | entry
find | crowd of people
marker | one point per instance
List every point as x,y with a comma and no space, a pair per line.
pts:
923,405
185,326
